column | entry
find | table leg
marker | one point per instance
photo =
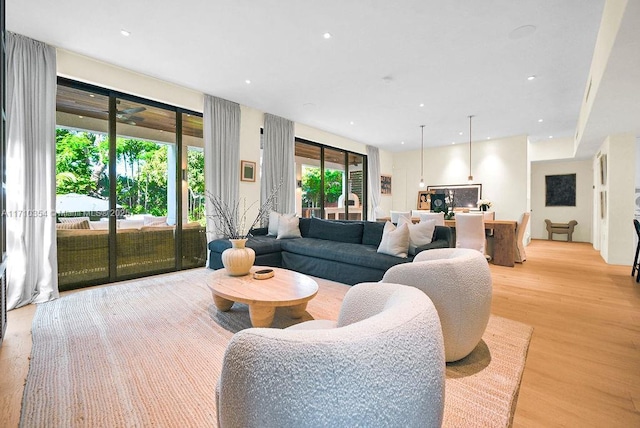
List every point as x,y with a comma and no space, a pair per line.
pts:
504,236
261,316
297,311
221,303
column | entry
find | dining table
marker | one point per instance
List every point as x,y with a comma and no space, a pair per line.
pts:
503,235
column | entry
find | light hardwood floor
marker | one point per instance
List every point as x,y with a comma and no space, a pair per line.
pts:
583,368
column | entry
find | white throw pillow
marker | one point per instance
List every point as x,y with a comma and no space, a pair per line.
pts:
274,219
288,227
395,240
419,233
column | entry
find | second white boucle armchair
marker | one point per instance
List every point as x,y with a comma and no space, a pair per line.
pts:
458,281
381,364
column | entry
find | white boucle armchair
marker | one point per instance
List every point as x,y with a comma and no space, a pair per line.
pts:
381,364
458,281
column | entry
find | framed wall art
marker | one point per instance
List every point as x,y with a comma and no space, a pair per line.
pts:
560,190
459,195
385,185
424,200
247,171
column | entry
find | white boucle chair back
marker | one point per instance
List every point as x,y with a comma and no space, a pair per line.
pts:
438,217
458,282
384,366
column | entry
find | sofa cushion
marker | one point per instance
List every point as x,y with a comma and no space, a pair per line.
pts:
288,228
262,244
372,233
336,231
274,221
419,233
83,224
354,254
395,240
148,220
304,225
72,219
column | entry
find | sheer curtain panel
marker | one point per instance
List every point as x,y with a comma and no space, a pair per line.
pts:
32,271
373,177
221,121
278,164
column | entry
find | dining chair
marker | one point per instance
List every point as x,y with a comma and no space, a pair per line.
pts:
397,214
470,232
438,217
636,264
521,227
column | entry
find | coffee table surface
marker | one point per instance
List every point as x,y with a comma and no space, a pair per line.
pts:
285,288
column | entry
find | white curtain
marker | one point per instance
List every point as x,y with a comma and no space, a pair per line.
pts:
278,163
221,153
373,179
32,266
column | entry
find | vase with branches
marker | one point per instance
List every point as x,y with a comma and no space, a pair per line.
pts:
230,221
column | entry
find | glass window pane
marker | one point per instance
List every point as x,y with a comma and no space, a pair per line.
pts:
308,188
82,187
334,183
146,178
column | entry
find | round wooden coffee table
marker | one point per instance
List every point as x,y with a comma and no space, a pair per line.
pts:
263,296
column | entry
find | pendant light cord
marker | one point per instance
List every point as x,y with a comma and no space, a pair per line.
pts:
422,153
470,176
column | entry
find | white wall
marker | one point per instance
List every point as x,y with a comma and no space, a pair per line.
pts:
617,244
552,149
582,212
500,165
84,69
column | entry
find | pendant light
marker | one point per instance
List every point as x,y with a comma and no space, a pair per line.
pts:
422,157
470,178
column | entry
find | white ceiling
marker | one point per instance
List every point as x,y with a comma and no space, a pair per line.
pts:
458,57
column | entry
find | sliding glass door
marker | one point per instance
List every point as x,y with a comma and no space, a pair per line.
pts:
130,186
146,156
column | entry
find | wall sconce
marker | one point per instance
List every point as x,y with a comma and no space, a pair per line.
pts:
299,184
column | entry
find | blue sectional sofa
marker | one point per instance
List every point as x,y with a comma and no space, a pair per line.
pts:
339,250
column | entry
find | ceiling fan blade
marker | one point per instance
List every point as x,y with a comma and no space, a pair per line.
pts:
132,110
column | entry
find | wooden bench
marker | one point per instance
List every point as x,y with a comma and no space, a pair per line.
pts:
562,228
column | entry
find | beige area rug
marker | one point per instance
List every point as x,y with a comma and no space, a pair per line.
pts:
149,353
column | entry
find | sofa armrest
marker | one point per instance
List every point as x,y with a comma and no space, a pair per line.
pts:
434,244
259,231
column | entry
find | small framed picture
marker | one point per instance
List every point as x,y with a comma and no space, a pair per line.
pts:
247,171
385,185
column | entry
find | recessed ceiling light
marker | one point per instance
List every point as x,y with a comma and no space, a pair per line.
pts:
459,133
81,117
532,77
540,120
248,82
327,35
550,136
453,142
488,138
421,104
91,95
351,123
401,142
125,33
